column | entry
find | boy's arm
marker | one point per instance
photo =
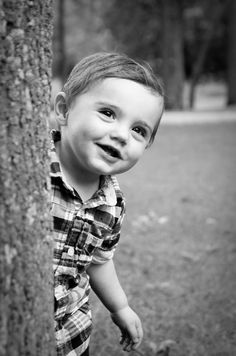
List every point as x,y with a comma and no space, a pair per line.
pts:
106,285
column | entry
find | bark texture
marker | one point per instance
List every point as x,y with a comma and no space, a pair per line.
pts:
26,307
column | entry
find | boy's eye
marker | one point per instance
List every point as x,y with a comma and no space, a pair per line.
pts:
107,112
140,131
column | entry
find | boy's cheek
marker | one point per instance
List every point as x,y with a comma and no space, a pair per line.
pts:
140,152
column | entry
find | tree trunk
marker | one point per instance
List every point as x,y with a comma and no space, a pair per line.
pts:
26,308
172,56
231,75
215,10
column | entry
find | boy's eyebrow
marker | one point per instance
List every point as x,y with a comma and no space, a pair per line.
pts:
112,106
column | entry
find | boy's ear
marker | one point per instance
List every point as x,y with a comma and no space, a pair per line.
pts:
61,108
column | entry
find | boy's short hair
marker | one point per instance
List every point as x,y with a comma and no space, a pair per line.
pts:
100,66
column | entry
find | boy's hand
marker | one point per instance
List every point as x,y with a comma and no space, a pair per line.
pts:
131,328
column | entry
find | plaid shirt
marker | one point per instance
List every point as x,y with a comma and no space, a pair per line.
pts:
84,233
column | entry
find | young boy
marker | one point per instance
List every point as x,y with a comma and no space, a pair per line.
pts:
107,115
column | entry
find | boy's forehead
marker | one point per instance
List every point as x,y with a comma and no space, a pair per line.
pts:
116,86
113,82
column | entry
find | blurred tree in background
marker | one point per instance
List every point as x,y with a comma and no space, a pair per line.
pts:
186,42
172,59
231,52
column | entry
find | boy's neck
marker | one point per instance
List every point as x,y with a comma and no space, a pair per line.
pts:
84,184
86,191
84,188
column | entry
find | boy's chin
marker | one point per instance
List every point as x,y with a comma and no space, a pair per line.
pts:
121,170
108,170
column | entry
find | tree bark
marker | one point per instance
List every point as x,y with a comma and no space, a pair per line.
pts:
26,308
231,55
172,55
61,60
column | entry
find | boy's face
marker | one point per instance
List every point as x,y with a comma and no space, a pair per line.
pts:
108,127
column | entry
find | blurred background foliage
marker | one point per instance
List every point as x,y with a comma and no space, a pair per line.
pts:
186,42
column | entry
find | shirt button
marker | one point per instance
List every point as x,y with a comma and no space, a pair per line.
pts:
71,251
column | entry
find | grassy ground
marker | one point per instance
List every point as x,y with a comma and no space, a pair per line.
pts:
177,255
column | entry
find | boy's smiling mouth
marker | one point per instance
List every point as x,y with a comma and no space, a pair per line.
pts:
112,151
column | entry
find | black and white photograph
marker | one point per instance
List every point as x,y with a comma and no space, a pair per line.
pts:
118,178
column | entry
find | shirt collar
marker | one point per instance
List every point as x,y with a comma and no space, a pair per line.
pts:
106,194
107,191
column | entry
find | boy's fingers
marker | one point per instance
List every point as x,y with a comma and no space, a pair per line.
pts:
128,347
125,342
138,334
124,339
134,346
134,333
131,336
131,340
139,337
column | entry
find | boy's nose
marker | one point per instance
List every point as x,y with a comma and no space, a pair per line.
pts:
120,133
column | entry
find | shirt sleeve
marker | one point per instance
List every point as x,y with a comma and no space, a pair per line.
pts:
61,300
106,251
